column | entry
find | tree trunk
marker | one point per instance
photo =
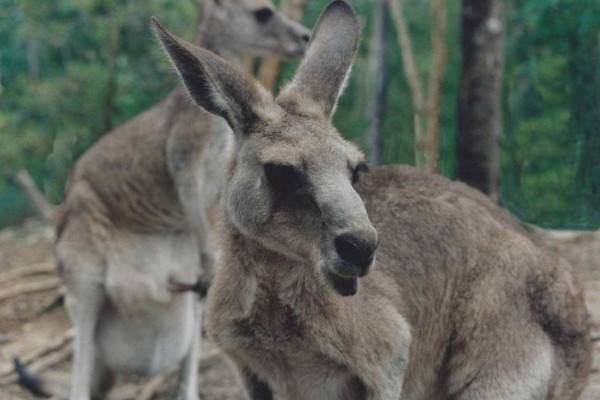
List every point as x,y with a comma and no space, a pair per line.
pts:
426,110
269,70
413,78
584,64
479,107
434,99
378,81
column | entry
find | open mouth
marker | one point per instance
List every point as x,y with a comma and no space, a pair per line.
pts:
344,286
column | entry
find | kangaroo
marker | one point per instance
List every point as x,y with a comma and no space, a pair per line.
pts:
132,231
340,282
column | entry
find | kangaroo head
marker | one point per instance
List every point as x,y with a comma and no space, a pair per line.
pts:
252,27
291,182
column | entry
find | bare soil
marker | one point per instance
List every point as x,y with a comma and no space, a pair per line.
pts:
31,321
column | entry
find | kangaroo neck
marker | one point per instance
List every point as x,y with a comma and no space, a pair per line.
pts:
212,37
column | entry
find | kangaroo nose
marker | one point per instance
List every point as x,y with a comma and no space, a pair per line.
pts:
357,252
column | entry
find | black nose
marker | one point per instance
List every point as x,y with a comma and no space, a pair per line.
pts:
355,251
306,38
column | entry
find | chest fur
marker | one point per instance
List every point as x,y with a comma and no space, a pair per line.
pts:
139,267
301,339
268,325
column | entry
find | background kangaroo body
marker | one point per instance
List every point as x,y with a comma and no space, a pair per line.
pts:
135,218
459,304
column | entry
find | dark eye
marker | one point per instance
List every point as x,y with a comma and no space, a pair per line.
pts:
360,168
284,178
263,15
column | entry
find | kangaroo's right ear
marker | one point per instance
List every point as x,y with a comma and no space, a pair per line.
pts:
214,84
322,74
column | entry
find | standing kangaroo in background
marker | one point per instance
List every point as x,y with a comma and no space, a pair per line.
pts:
458,305
134,219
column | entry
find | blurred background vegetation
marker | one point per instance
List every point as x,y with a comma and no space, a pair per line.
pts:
70,70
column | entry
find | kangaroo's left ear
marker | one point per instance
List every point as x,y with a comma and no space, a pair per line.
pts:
216,85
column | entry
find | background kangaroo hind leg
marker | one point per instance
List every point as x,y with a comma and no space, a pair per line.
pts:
85,299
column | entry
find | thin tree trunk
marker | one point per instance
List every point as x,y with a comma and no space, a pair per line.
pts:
584,64
412,75
426,110
270,68
479,107
438,67
378,81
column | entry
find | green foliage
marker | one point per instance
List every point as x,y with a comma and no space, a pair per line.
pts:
55,77
71,69
552,108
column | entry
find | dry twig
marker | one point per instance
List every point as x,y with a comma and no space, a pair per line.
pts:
207,360
29,288
36,197
57,301
51,360
151,388
37,356
29,270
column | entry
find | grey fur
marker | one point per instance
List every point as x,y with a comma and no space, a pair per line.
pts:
136,217
459,304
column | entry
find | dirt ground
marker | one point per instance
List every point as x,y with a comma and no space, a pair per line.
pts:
35,328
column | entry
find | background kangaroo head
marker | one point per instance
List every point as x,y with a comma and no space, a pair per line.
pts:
291,184
252,27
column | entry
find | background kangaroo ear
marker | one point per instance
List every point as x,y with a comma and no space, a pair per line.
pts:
323,72
214,84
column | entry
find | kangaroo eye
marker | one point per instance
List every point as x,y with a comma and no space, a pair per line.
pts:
284,178
263,15
360,168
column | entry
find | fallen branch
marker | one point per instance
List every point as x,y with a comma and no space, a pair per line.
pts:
151,388
35,196
29,288
207,359
57,301
35,269
562,235
30,358
51,360
29,381
125,391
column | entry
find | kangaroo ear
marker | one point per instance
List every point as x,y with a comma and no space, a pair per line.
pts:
214,84
327,62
